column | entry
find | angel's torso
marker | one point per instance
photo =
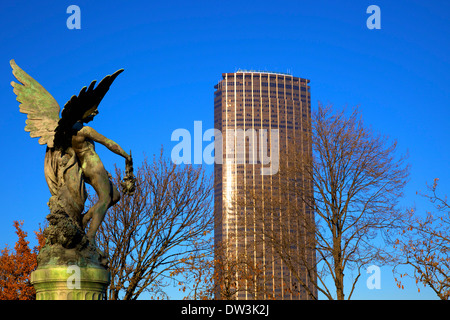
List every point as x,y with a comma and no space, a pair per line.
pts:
85,150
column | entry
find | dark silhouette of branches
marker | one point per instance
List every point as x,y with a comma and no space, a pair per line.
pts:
149,234
335,194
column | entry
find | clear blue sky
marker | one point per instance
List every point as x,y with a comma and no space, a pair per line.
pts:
173,53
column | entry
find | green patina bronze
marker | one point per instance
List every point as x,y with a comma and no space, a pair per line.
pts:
66,283
70,162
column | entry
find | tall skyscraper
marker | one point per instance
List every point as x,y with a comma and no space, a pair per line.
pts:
262,116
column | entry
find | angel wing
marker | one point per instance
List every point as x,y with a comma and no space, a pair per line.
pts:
41,108
77,106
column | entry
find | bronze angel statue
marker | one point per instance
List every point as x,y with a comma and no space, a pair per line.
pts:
70,158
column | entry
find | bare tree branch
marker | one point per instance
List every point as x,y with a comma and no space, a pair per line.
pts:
147,235
424,245
343,193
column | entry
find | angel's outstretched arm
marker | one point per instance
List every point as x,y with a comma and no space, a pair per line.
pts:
90,133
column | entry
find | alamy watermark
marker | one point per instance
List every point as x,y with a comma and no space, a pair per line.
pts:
73,281
74,20
374,280
374,20
263,147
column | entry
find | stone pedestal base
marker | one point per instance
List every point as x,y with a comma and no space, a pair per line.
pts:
70,283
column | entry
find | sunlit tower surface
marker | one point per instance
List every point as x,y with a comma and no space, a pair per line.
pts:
258,104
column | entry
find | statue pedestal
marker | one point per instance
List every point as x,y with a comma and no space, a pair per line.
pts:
70,283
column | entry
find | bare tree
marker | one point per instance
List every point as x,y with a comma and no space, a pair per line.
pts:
147,235
424,245
335,195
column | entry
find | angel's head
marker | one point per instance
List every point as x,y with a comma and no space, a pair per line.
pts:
89,115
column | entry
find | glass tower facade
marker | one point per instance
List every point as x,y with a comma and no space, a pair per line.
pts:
262,116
